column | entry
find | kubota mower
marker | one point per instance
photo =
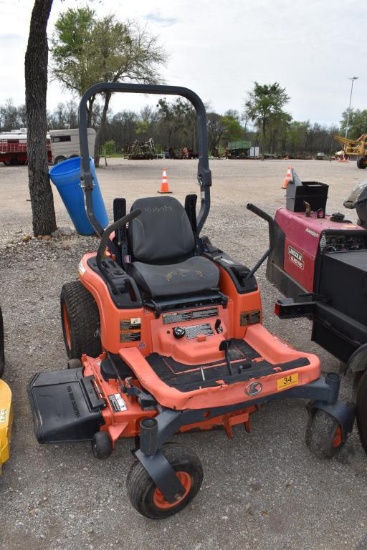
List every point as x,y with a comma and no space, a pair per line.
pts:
169,332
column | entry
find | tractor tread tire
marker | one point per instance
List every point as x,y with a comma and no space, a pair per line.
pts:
80,321
361,409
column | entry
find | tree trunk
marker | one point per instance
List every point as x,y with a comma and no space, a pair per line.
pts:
36,58
101,134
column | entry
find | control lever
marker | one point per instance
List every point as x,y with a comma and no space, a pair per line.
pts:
218,326
224,346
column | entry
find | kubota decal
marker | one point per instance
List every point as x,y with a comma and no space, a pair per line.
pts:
296,257
254,388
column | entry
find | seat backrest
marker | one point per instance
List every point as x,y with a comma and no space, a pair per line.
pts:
162,233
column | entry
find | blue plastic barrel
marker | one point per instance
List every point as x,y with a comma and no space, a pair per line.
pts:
66,177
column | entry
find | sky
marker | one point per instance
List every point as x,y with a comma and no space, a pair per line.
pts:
312,48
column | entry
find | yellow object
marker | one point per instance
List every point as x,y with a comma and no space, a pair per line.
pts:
354,147
287,381
6,420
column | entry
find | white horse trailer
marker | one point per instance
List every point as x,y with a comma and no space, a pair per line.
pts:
65,143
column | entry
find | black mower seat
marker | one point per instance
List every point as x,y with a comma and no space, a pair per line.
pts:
163,250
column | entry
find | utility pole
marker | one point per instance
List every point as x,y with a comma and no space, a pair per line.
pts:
353,78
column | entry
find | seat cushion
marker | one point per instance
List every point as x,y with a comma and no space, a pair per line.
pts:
196,274
162,233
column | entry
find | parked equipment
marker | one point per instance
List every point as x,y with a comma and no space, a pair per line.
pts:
65,143
142,151
355,148
14,147
319,262
164,334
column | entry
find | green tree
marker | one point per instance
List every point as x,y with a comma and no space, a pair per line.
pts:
264,107
177,121
11,117
123,128
36,61
216,130
222,129
87,50
233,129
357,123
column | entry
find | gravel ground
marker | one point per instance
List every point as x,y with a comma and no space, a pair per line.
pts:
261,490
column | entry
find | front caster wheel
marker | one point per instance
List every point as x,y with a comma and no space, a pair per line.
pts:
145,496
323,435
102,445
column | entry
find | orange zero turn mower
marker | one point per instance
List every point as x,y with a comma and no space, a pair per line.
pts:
164,335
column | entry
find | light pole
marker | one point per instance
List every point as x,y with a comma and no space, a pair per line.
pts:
353,78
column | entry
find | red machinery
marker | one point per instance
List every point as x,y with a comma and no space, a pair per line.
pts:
319,262
14,148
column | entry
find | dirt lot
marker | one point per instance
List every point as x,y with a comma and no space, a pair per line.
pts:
262,490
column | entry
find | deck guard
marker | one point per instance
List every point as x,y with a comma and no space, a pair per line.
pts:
65,406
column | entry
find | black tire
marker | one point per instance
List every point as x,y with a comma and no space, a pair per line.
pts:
102,445
80,321
355,384
2,345
145,496
74,364
323,435
59,159
361,410
361,163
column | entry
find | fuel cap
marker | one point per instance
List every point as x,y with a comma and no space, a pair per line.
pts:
178,332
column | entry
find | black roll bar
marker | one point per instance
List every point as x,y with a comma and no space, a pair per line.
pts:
204,173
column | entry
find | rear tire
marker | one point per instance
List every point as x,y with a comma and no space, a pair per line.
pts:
145,496
361,410
361,163
323,435
59,159
80,321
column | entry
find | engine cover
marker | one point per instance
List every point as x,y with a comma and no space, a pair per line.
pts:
300,241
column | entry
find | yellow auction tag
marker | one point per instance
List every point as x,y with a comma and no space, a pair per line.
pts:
287,381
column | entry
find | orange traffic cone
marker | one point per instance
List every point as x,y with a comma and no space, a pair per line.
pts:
164,184
288,177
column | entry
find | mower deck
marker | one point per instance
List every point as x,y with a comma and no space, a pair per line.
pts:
115,392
